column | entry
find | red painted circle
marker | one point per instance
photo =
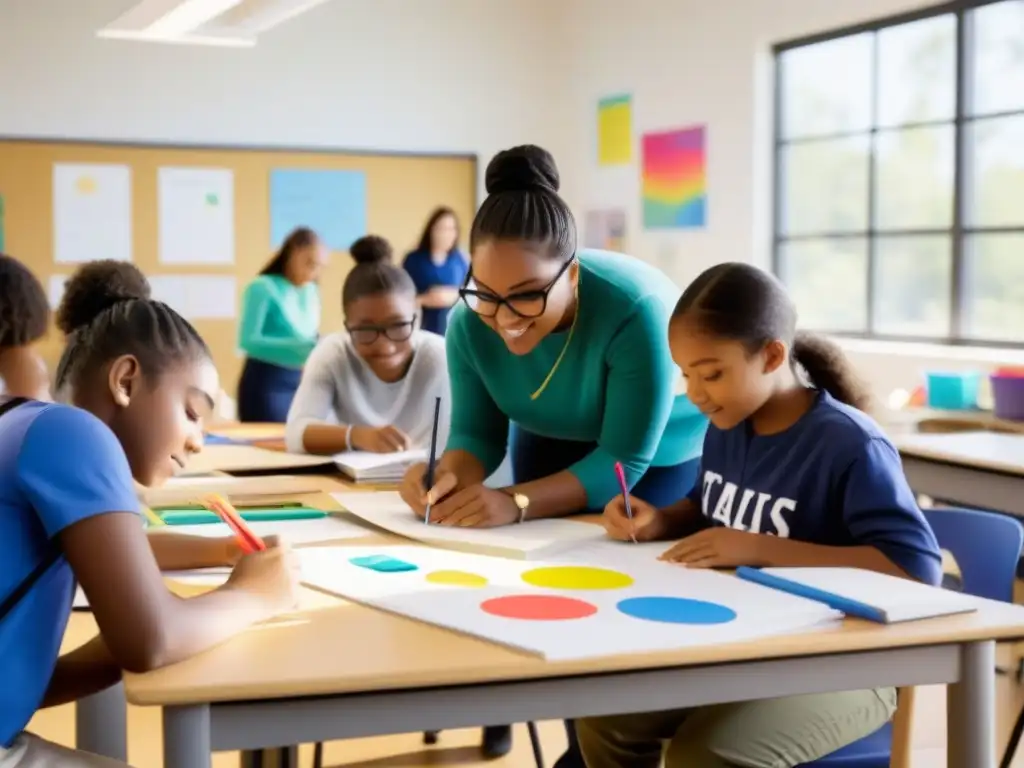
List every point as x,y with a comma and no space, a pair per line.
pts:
538,607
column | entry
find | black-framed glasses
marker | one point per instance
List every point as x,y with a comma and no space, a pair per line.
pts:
525,304
367,334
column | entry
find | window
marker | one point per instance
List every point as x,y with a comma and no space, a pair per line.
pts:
899,176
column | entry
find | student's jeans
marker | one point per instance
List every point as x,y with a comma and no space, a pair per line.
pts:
266,391
773,733
30,751
534,457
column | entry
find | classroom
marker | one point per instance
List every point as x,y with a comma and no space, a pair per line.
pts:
579,384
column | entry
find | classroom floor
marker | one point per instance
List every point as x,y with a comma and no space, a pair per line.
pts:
461,747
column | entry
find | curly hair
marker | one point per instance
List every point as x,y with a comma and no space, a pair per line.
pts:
24,306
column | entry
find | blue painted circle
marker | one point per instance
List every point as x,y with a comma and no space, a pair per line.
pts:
676,610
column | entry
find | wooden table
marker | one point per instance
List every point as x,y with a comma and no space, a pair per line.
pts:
337,670
979,469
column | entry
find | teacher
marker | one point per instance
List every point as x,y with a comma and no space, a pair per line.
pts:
570,347
279,327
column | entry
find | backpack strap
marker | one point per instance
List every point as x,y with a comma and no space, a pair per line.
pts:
51,557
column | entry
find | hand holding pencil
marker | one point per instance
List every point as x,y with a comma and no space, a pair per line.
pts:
645,524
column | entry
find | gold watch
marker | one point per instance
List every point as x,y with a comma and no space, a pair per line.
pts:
522,502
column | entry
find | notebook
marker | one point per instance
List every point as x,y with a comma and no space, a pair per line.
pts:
864,594
365,467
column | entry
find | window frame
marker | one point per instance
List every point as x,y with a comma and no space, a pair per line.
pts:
958,232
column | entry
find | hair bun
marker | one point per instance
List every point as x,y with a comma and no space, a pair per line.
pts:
371,249
97,287
527,168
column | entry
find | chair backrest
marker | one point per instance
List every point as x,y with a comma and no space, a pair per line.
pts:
986,546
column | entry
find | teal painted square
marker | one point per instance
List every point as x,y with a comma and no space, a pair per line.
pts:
382,564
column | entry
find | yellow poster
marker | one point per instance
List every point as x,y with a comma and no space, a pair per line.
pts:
614,130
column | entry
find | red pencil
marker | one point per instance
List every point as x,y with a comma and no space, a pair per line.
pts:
248,540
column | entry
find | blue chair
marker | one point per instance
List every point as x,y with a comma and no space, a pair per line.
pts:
986,546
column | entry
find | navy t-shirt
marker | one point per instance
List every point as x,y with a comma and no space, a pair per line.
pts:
58,465
833,478
426,275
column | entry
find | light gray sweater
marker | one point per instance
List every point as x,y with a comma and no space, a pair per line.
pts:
338,387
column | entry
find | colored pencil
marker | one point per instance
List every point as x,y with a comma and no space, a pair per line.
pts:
621,474
432,460
154,519
248,540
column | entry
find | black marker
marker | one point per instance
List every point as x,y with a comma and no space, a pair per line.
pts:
429,478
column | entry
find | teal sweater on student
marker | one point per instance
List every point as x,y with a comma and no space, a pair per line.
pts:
280,321
617,384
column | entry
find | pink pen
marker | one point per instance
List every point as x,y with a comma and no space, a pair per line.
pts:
621,474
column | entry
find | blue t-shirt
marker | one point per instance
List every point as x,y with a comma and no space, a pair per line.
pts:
58,465
426,275
832,478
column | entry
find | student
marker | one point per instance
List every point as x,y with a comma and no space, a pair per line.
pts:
371,387
24,318
140,382
571,347
278,329
438,268
793,473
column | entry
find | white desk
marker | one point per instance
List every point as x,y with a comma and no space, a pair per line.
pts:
978,469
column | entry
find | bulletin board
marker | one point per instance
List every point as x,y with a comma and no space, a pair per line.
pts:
401,191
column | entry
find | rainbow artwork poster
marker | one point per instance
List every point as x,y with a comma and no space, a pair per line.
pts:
674,179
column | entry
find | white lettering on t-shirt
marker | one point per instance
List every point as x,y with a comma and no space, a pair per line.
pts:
727,512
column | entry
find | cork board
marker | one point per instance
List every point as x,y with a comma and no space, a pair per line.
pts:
401,191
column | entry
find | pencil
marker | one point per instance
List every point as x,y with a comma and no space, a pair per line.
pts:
152,517
429,478
248,540
621,474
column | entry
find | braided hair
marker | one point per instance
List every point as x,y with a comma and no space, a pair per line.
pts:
107,311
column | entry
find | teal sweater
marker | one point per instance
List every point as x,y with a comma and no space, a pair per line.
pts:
616,386
280,321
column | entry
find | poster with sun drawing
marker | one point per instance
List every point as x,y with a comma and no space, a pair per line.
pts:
556,610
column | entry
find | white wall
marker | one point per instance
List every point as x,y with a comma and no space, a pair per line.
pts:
432,75
690,62
462,76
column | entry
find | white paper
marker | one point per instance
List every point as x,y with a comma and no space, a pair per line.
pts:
532,540
92,212
55,289
197,297
315,530
197,215
900,599
760,612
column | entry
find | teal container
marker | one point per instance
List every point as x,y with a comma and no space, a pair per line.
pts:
953,391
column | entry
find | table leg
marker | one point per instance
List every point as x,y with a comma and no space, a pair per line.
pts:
279,757
101,723
187,737
971,711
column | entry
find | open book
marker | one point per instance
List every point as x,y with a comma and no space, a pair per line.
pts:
864,594
365,467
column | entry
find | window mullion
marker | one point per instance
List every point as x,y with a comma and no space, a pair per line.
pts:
872,250
961,172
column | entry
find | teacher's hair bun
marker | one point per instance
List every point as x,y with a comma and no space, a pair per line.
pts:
527,168
371,249
96,287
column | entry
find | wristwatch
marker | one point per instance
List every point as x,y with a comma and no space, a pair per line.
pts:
522,502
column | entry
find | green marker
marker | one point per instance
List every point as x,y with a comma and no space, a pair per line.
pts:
211,199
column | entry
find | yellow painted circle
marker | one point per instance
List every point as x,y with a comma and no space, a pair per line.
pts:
456,579
576,577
